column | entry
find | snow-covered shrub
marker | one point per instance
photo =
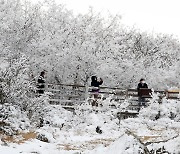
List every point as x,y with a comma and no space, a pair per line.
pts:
88,117
153,110
124,145
19,106
56,116
165,109
37,109
13,119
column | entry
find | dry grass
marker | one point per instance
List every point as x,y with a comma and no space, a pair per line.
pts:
86,145
19,138
105,142
149,138
68,147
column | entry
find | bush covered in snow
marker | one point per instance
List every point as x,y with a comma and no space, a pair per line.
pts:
20,108
166,109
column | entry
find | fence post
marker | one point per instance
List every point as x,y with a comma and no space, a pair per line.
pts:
126,94
86,91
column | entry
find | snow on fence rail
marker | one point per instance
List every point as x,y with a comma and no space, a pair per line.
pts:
70,91
165,93
69,94
73,95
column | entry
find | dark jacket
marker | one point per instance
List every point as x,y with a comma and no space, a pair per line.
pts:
141,85
95,83
41,82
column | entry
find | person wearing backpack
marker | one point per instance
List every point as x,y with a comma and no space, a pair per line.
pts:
95,88
41,83
95,83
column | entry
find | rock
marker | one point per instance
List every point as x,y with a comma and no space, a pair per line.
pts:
42,138
98,130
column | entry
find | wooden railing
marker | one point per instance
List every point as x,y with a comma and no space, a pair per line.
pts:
167,94
71,96
173,94
77,93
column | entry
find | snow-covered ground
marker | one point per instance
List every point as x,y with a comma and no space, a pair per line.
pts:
69,133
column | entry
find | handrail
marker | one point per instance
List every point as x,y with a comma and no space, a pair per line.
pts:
105,87
72,85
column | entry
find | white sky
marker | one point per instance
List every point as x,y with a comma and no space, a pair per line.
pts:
148,15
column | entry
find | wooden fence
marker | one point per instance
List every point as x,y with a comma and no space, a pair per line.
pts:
71,96
77,93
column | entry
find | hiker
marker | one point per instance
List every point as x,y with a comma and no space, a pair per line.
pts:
141,85
95,88
41,83
95,83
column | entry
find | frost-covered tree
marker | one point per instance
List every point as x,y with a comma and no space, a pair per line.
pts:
19,105
72,48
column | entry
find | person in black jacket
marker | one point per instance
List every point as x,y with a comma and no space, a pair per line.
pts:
95,88
141,85
41,83
95,83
